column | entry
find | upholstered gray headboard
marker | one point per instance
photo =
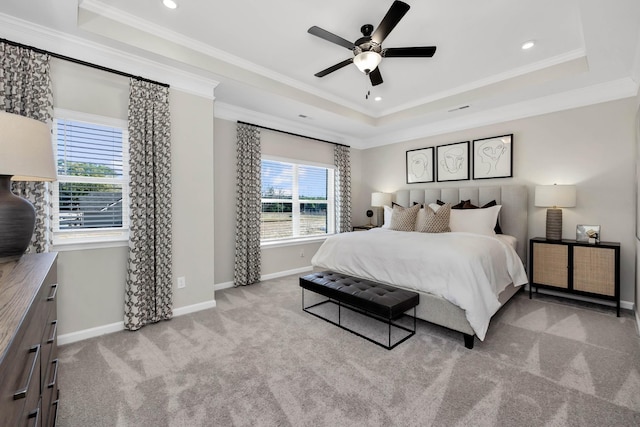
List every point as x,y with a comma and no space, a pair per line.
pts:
513,198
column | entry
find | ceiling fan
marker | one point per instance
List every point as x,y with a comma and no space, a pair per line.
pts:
368,51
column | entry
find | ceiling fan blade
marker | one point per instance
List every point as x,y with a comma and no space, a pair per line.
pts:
334,67
375,77
330,37
409,52
390,20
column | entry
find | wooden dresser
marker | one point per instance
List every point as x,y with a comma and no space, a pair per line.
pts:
28,341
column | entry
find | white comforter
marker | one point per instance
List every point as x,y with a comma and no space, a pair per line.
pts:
469,270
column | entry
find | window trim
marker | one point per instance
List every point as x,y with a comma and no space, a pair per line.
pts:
94,238
293,240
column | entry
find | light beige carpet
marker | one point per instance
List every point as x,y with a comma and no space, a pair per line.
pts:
259,360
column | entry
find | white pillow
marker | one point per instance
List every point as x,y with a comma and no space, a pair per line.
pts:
434,206
388,211
478,221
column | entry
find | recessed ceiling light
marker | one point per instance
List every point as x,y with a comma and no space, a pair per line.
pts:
170,4
378,98
528,44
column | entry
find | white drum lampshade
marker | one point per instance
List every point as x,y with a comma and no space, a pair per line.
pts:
555,197
26,154
379,200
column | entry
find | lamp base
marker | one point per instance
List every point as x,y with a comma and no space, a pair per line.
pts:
554,224
17,222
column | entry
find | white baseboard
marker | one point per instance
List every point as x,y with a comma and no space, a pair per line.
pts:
226,285
180,311
221,286
286,273
90,333
119,326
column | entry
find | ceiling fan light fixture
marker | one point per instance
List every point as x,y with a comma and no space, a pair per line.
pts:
367,61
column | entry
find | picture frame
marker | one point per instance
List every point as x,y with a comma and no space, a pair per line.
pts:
588,233
493,157
420,166
453,161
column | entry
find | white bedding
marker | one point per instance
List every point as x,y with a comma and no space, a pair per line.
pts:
469,270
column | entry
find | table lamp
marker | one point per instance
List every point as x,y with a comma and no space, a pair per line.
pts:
555,197
378,200
26,154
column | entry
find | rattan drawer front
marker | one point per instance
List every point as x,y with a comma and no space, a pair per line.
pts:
594,270
550,265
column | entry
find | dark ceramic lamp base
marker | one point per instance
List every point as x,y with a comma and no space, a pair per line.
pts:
554,224
17,221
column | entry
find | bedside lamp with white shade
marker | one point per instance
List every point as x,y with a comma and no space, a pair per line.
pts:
555,197
26,154
379,200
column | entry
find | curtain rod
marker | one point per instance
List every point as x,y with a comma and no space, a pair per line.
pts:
80,62
294,134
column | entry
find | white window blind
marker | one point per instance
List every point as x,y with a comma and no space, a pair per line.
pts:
297,200
91,194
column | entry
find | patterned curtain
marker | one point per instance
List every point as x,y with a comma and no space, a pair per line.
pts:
248,206
25,89
148,292
342,159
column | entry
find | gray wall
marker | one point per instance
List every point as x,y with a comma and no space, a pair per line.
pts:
592,147
92,280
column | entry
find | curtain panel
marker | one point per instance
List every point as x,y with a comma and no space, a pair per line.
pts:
342,159
148,292
25,89
248,206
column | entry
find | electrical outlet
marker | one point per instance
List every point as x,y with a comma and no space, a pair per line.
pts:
182,282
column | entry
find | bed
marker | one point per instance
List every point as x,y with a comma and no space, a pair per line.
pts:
392,257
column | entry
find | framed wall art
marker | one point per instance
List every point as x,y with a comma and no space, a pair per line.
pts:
453,161
493,157
420,165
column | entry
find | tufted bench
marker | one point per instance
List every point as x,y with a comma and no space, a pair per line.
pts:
379,301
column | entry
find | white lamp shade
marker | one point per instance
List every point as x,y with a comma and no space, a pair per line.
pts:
26,152
367,61
380,199
555,196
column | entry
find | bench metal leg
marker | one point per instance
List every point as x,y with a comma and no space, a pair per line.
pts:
388,346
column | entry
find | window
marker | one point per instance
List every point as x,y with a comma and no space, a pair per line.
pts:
297,200
91,194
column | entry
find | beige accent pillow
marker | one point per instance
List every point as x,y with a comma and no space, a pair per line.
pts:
436,221
404,219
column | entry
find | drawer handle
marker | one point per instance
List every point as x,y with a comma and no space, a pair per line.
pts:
22,393
54,291
55,374
52,337
55,414
35,415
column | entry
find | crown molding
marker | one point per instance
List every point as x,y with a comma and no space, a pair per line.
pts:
595,94
66,44
118,15
225,111
492,80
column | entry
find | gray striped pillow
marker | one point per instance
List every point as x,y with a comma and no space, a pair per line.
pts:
404,219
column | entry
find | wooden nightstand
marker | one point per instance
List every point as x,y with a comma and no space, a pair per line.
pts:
363,227
576,267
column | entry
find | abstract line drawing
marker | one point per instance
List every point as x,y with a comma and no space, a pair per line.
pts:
420,165
453,161
492,157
